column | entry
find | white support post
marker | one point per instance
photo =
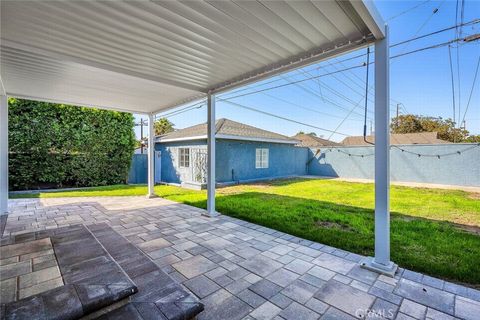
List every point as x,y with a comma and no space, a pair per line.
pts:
3,155
381,262
151,157
211,128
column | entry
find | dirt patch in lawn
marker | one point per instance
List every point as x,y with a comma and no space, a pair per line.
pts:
333,225
474,195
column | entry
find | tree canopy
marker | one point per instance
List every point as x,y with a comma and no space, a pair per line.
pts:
162,126
445,128
310,134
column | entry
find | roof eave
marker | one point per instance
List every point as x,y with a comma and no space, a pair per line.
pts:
228,137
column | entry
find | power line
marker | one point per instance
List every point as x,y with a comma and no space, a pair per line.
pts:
362,85
343,70
279,117
472,22
458,61
435,46
366,99
407,11
358,103
288,76
471,91
345,118
197,105
475,21
303,107
176,112
335,92
453,84
424,24
188,108
294,82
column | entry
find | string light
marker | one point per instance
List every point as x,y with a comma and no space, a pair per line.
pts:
438,156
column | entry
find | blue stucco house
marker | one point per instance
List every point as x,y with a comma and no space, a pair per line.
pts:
243,153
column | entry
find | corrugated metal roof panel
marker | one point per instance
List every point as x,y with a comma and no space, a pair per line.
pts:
195,46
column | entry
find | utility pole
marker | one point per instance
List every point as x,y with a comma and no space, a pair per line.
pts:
141,136
141,124
398,105
397,120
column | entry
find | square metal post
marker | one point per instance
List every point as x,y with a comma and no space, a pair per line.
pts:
3,154
381,262
211,128
151,157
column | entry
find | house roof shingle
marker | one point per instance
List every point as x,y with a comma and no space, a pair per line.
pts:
310,141
226,129
403,138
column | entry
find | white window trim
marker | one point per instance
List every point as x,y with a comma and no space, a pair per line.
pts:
184,157
262,158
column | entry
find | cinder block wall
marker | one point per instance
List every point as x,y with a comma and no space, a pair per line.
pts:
456,169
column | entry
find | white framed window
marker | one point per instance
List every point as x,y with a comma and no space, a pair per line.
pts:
261,158
184,157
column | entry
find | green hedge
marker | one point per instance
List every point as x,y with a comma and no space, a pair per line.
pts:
56,145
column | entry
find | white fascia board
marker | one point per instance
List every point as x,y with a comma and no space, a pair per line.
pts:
204,137
229,137
371,17
293,63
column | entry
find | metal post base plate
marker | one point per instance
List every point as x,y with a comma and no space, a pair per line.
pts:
388,270
211,215
151,196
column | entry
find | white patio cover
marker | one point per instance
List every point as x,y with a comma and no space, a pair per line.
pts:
148,56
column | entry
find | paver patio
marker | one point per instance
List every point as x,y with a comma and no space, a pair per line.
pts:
241,270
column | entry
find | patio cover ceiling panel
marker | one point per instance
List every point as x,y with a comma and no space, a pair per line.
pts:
146,56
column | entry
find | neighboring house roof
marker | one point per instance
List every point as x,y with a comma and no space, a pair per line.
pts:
403,138
307,140
226,129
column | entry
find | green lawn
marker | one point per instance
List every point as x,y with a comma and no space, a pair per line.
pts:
432,231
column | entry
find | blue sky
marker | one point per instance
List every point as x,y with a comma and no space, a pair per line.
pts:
421,82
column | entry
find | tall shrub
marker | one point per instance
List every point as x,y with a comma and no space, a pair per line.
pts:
56,145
